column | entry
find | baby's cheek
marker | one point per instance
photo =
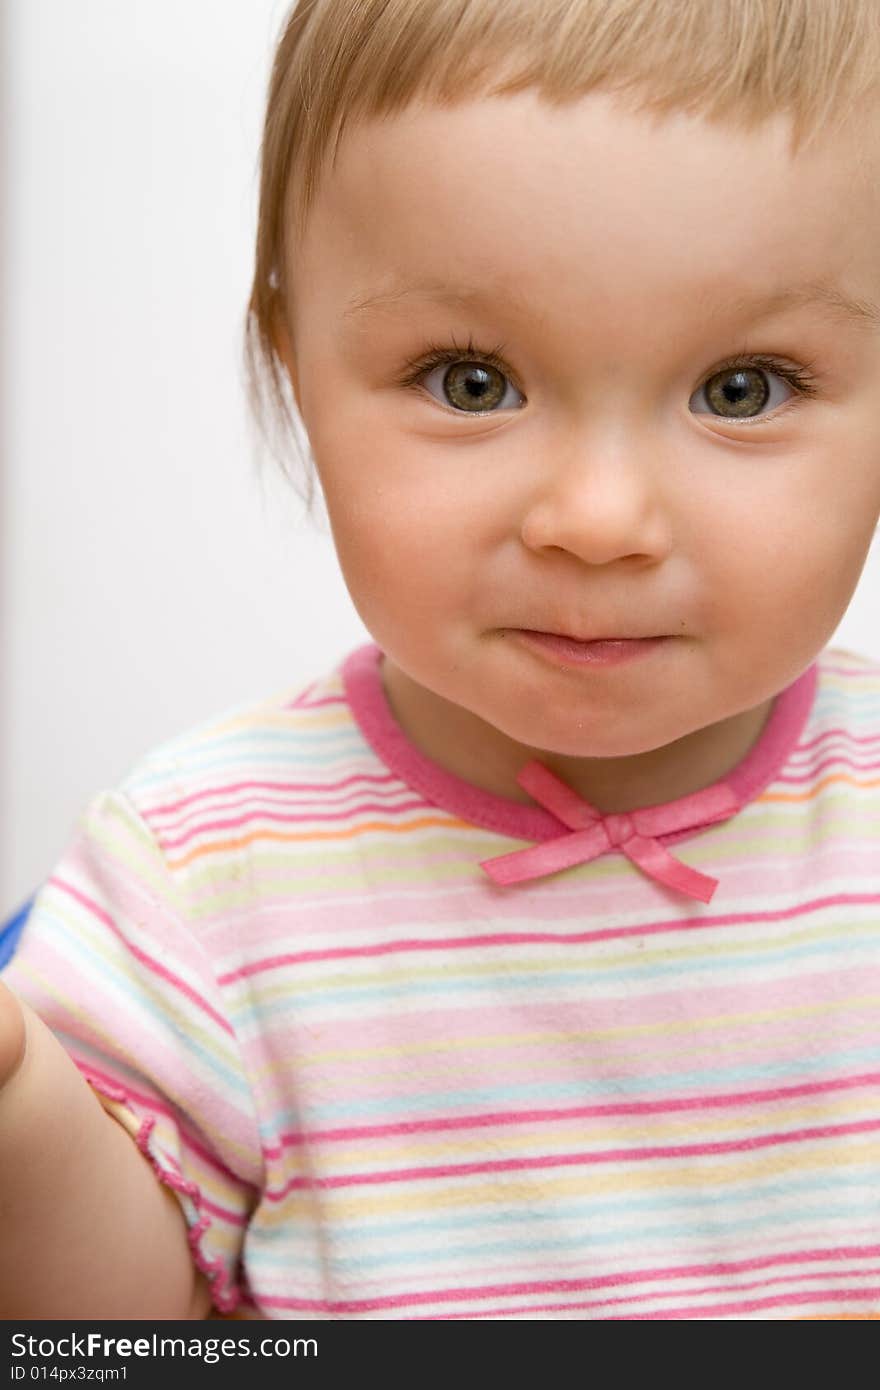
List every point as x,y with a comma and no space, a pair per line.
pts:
393,561
810,579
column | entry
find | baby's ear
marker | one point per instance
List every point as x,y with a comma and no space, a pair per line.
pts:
283,346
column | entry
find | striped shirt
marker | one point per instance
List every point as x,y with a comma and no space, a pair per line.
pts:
384,1086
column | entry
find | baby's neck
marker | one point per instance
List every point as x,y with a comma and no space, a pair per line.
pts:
463,744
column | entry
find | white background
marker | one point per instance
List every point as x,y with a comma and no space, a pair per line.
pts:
152,574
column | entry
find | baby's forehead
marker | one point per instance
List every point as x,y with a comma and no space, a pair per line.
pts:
521,189
485,133
605,157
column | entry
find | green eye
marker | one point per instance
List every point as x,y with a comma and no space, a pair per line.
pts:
747,388
467,380
741,393
473,386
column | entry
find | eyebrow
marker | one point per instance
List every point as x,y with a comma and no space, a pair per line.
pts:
861,313
389,297
817,294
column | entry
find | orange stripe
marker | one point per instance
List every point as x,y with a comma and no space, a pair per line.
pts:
819,786
290,837
839,1317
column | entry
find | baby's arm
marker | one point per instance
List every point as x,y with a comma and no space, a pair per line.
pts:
88,1231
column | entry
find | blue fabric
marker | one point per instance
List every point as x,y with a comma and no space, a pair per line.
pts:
10,932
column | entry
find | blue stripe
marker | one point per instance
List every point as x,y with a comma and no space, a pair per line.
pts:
134,986
247,1018
697,1216
580,1091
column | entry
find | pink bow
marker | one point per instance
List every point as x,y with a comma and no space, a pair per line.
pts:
591,834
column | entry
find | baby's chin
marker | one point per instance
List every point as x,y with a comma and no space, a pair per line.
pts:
599,727
593,741
627,719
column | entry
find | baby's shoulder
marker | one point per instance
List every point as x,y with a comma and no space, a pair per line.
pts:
848,690
257,758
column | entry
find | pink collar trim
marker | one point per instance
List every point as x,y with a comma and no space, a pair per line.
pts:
363,687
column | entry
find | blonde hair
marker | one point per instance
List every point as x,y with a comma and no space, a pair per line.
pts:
340,61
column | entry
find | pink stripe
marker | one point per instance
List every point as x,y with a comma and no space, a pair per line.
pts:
868,740
586,1159
224,788
301,702
513,1309
854,987
302,817
674,924
467,905
752,1305
862,668
300,698
814,770
660,1074
180,985
259,802
625,1278
521,1117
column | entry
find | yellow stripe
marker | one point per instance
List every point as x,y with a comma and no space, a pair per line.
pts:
573,963
565,1037
585,1134
500,1191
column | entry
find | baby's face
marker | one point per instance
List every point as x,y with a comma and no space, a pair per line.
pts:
663,422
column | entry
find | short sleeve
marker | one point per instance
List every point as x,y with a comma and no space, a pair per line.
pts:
110,962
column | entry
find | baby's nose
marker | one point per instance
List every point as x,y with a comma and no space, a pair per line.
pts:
600,504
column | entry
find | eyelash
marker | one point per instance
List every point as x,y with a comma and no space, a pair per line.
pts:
800,379
437,355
